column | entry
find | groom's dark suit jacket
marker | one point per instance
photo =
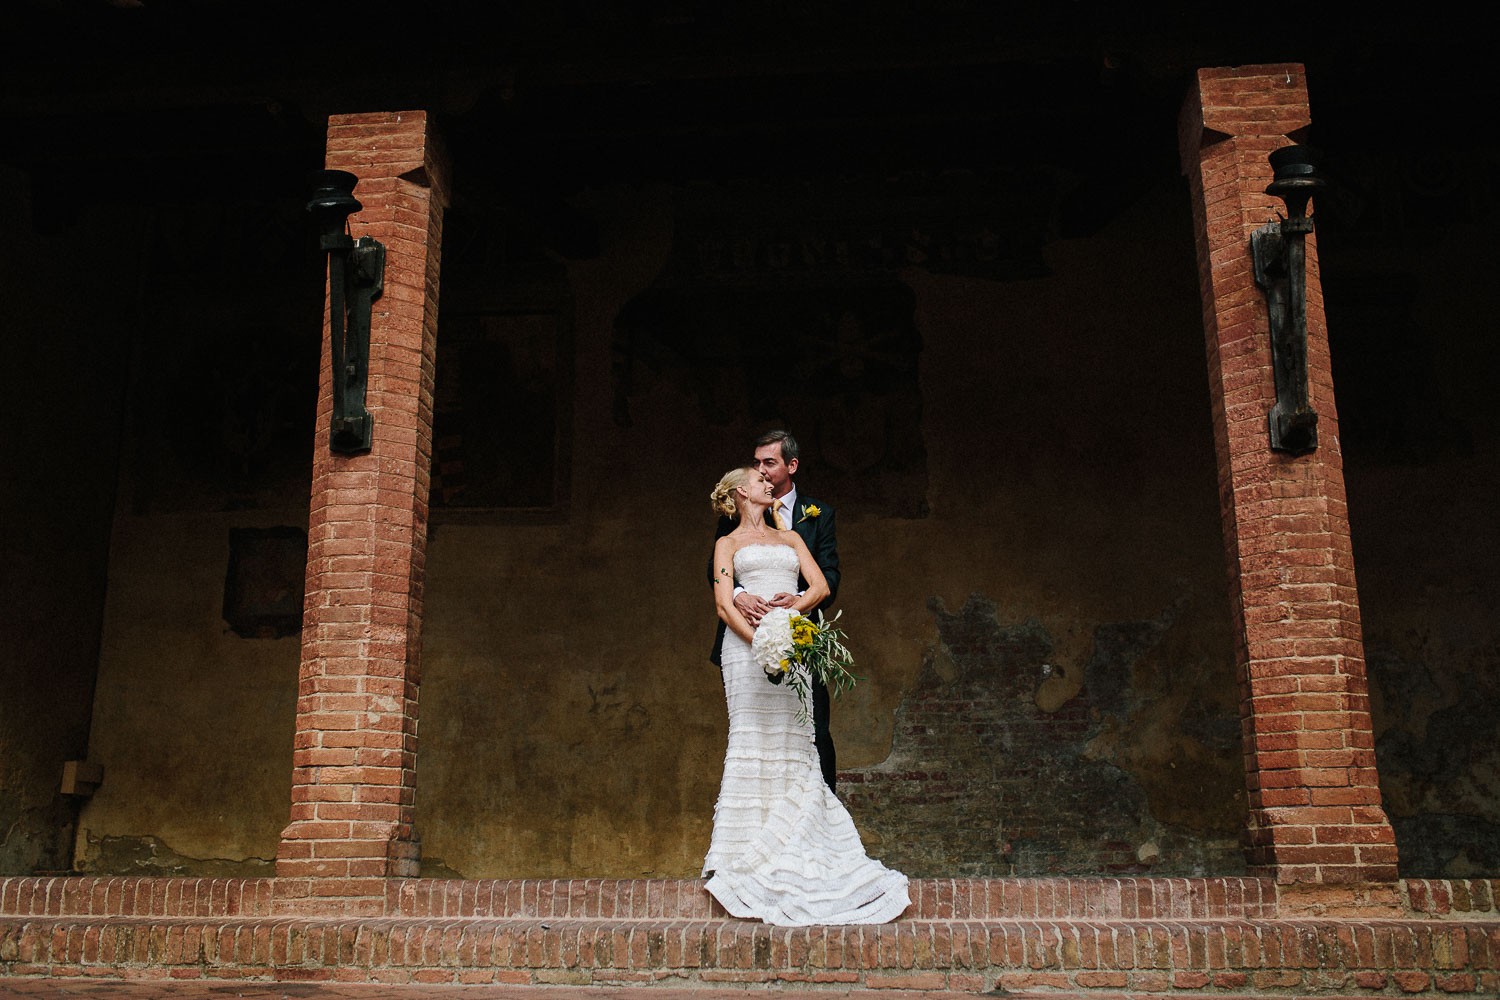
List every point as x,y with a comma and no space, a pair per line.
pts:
822,542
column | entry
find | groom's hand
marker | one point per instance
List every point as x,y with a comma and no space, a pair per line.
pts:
752,607
783,600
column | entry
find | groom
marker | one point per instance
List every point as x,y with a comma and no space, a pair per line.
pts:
776,456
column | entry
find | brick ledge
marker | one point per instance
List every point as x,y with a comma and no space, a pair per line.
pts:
1410,956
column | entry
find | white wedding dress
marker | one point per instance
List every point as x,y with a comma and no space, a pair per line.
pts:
784,848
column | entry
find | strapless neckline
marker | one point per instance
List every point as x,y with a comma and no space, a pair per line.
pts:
766,568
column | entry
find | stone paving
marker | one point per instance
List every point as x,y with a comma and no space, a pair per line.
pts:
110,989
118,989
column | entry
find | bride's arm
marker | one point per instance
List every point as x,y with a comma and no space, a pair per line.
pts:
817,583
723,566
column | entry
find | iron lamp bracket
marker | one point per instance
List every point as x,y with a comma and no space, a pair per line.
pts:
356,278
1278,251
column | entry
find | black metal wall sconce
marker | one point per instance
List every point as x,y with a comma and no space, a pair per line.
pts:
356,278
1279,251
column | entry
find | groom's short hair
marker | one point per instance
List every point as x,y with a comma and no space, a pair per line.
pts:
789,450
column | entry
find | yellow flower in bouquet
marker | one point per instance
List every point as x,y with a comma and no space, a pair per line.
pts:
795,648
804,632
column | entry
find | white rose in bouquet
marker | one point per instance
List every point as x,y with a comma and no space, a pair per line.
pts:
771,648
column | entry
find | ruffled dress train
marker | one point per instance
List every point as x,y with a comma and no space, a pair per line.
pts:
784,848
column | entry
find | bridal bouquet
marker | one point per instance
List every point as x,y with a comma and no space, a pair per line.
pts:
794,648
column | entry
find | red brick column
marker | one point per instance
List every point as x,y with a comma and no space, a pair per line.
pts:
354,763
1315,813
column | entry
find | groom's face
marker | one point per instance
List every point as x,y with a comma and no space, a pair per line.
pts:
779,473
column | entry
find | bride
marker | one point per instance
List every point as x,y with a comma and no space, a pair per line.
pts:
784,849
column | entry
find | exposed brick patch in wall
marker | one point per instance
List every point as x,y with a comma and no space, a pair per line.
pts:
1437,764
354,761
1315,807
983,780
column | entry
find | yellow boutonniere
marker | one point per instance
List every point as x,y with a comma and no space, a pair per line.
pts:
809,510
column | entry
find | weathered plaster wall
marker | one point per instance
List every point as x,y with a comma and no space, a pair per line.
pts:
195,733
1412,340
60,448
571,723
193,722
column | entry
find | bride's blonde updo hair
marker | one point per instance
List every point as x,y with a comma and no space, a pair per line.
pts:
722,499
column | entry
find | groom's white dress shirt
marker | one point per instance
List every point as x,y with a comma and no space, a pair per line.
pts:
785,506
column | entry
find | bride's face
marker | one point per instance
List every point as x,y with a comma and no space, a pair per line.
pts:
757,489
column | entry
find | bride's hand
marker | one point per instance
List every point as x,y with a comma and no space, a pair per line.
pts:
783,600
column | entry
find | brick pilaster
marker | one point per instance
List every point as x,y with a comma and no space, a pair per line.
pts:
354,762
1315,812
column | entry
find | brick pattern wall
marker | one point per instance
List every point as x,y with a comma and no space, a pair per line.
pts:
961,794
1315,808
353,786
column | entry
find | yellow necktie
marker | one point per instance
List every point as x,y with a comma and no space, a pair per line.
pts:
776,518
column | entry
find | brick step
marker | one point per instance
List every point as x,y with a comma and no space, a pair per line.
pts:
932,899
685,899
1162,954
125,896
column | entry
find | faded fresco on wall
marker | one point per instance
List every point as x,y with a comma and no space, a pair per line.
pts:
839,362
571,724
502,413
